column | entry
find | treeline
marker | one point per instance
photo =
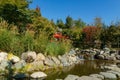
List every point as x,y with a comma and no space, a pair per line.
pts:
97,34
23,29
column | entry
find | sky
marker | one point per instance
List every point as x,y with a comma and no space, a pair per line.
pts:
87,10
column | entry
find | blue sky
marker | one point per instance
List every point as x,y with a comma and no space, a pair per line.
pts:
87,10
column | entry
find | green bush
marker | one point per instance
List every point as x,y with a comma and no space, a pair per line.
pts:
58,48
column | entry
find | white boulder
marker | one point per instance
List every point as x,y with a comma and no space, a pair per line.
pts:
3,56
37,75
40,57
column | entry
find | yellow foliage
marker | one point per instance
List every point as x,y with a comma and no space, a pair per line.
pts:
10,55
27,67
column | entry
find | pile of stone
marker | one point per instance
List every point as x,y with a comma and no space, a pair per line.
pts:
30,62
101,54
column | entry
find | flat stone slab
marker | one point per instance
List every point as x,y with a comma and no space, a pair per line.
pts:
108,75
97,76
115,72
88,78
38,75
72,77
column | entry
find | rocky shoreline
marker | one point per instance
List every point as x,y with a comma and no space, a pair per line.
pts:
32,64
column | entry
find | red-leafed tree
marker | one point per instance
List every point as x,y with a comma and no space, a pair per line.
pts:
92,33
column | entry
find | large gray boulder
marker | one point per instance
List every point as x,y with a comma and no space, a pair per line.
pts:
97,76
72,77
115,72
64,60
29,56
40,57
37,65
4,64
15,59
38,75
56,60
49,62
108,75
20,64
72,59
88,78
113,67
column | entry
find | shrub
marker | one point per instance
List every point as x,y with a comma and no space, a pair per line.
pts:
58,48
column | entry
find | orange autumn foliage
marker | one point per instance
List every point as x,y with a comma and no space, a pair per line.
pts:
91,33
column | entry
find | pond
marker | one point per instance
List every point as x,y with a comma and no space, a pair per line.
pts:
85,67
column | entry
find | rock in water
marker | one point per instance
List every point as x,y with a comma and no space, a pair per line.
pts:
115,72
88,78
72,77
20,76
38,75
108,75
97,76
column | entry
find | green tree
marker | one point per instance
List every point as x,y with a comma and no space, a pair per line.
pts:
40,24
60,23
69,22
79,23
110,35
15,11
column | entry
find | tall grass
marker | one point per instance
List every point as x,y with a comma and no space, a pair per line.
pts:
41,42
58,48
13,42
27,41
5,40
